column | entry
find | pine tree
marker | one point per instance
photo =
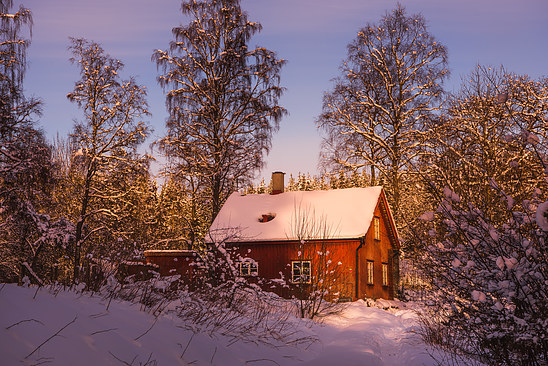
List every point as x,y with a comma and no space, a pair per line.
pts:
291,184
181,219
261,188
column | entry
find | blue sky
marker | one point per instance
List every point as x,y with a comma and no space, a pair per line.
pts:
311,34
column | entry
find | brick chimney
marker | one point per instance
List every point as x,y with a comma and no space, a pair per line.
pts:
277,182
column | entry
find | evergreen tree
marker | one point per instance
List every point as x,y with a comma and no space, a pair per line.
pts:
291,184
261,188
180,221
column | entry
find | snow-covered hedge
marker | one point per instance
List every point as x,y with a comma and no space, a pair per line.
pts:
491,279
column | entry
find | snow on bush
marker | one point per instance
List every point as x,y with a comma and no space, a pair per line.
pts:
491,280
542,216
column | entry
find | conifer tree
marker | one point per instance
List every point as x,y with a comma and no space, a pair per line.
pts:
180,219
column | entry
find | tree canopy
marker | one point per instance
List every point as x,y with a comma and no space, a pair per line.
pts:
391,82
222,99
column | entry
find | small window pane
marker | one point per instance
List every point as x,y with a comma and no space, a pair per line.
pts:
300,271
253,269
249,268
370,272
377,228
243,270
385,274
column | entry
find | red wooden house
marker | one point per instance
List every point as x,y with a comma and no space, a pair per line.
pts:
284,241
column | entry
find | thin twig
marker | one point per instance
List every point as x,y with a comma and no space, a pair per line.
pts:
187,344
56,333
155,320
110,299
103,331
24,321
122,361
234,340
36,292
262,359
149,360
214,353
43,360
98,315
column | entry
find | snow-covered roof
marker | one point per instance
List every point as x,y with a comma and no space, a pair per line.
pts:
333,214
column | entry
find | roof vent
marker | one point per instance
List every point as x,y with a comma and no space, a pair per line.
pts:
267,217
277,182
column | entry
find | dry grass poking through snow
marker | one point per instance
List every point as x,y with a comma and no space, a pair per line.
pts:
40,326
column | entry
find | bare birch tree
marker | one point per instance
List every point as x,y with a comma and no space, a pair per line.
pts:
483,134
106,140
390,83
222,99
28,234
484,240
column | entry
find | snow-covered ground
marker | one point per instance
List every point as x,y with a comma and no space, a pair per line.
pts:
69,328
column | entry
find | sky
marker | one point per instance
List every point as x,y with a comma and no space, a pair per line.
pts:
311,35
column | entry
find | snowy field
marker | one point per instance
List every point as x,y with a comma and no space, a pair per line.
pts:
39,327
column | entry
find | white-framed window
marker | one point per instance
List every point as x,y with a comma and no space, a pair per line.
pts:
377,228
370,271
248,267
385,274
300,271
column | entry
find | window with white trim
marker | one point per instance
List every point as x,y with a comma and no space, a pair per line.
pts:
385,274
377,228
370,272
249,267
300,271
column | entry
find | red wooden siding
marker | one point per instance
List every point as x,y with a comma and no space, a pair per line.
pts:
379,252
274,263
173,262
